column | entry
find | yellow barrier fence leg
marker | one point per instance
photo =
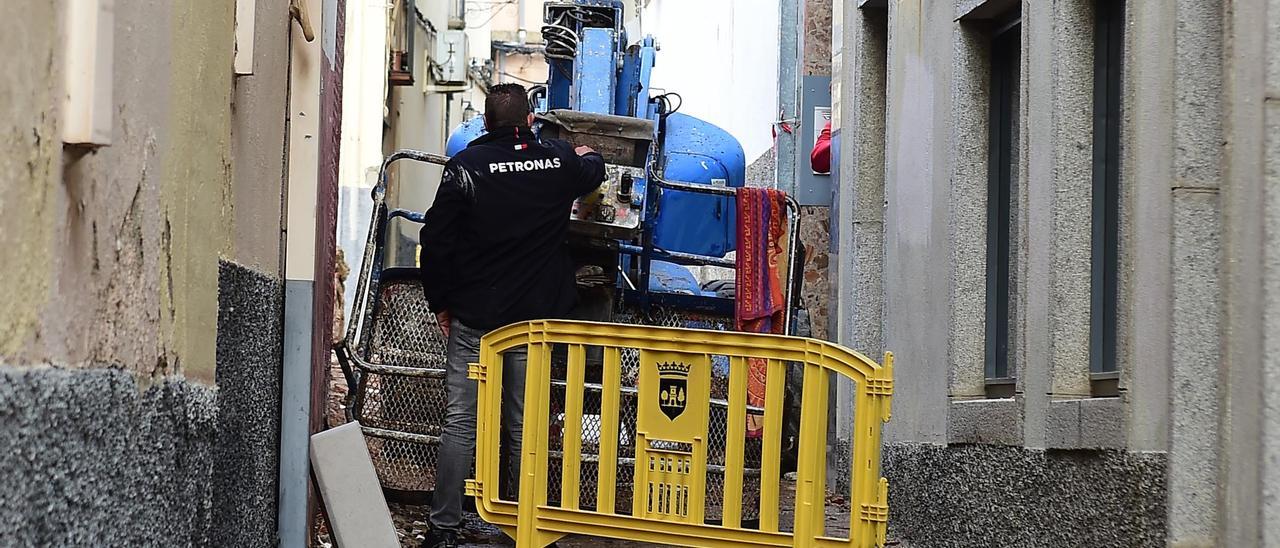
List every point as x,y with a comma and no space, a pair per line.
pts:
810,484
735,443
533,461
609,396
858,526
571,456
770,469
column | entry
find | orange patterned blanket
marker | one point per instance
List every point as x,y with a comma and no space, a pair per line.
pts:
761,271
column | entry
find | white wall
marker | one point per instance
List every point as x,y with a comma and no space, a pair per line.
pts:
721,56
489,20
364,92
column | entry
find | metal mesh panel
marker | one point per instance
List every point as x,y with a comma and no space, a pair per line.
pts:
403,332
555,440
403,465
626,451
404,404
718,425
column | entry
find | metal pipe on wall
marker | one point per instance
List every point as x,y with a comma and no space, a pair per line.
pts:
458,14
521,33
789,52
300,281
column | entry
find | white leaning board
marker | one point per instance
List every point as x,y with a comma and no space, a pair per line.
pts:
358,514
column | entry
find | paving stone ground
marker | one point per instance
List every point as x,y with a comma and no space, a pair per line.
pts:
411,525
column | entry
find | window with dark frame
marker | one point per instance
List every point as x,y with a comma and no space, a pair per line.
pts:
1002,175
1108,55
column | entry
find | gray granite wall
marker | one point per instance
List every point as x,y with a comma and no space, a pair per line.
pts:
988,495
247,455
93,458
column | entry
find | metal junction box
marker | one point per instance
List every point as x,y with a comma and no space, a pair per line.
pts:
450,56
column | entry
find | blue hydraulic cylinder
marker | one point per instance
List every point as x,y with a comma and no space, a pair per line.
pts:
558,84
648,60
632,95
628,82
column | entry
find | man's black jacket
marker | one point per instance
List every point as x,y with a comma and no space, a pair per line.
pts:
493,246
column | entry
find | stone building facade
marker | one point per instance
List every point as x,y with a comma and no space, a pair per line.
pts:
1062,217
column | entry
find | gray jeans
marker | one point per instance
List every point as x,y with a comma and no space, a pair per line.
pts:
458,438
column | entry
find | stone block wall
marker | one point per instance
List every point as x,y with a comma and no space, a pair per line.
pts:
817,37
1164,451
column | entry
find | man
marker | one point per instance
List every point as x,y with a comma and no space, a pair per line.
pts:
493,253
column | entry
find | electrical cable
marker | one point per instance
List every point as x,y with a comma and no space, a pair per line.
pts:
587,17
491,16
560,36
665,98
525,80
491,5
422,20
560,41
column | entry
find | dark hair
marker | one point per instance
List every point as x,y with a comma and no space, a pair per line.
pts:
506,105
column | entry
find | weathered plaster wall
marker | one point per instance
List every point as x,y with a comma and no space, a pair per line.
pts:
29,167
95,457
1251,127
111,254
918,235
1144,293
1195,433
1270,477
257,143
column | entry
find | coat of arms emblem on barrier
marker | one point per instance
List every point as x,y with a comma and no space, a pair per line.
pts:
673,380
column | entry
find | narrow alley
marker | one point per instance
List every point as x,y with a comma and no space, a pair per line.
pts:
577,273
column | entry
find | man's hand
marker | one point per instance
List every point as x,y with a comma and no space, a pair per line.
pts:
443,319
583,150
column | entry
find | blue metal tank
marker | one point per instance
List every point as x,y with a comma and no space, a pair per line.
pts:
465,133
699,152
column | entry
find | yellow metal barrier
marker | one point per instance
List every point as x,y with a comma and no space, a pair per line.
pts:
669,438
